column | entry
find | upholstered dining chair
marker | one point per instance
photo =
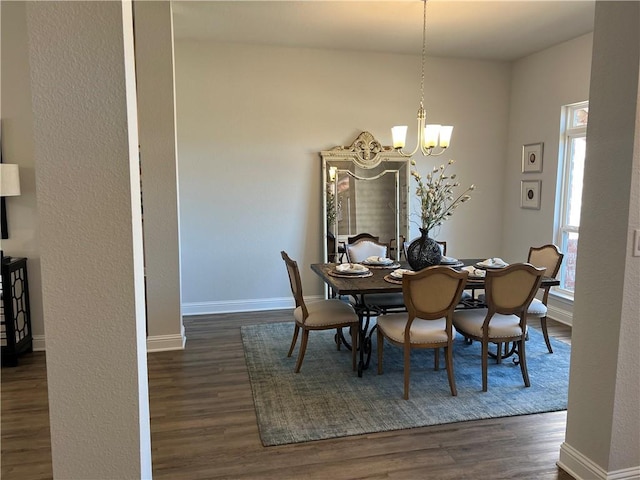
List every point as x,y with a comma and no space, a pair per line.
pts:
362,236
363,248
549,257
383,302
321,315
431,296
508,294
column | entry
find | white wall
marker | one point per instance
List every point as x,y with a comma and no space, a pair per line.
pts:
603,415
159,164
88,190
251,121
541,84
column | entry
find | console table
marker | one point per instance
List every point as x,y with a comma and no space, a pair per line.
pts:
15,315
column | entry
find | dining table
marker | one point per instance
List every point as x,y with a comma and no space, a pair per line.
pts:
378,280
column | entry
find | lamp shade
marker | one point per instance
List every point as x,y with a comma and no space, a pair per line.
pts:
9,180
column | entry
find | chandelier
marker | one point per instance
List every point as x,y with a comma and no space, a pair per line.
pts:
429,136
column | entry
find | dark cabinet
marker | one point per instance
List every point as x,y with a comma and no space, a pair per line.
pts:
15,315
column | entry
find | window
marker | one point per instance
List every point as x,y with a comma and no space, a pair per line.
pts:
570,172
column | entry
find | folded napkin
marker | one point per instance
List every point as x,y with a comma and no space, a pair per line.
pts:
399,272
351,267
449,260
475,272
493,262
380,260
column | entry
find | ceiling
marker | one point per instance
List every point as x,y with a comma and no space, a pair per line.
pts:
503,30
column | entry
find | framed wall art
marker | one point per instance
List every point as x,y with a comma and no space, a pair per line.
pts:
532,158
530,194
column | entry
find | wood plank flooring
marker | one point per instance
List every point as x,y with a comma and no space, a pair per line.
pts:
204,426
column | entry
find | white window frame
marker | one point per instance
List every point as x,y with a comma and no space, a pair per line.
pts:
569,132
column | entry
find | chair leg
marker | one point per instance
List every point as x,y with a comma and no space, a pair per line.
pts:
338,337
448,354
485,364
355,334
303,349
543,325
296,329
380,348
523,362
407,368
436,359
499,353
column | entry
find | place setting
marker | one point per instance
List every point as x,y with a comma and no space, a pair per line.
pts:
451,262
396,275
350,270
380,262
491,264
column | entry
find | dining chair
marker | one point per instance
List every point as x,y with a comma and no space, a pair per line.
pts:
361,249
321,315
394,251
549,257
508,294
361,236
431,296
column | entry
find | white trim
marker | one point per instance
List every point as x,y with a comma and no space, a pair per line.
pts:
560,315
157,343
581,467
163,343
38,343
234,306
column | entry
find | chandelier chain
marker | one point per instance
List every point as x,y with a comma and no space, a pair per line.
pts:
430,136
424,50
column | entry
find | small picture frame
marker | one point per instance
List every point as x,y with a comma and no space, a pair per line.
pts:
532,158
530,194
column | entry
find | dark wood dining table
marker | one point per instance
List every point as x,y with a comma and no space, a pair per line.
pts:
359,287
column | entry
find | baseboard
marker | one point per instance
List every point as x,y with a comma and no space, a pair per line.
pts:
235,306
560,309
582,468
157,343
163,343
38,343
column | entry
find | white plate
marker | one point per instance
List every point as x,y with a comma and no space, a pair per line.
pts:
492,263
449,261
353,268
400,272
378,261
475,272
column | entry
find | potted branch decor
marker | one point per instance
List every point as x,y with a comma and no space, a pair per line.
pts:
437,203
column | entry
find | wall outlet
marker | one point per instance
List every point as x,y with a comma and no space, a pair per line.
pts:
636,243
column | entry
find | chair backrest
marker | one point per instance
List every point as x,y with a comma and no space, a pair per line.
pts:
546,256
433,292
362,236
296,283
511,289
331,247
359,251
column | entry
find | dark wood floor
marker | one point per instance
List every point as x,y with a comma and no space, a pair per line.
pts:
204,426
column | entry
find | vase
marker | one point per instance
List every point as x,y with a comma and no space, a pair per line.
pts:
423,252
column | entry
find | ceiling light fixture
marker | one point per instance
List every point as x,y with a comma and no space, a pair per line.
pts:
429,136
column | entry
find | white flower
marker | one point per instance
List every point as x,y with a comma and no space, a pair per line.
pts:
437,199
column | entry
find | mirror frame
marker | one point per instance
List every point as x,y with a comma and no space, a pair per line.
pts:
367,153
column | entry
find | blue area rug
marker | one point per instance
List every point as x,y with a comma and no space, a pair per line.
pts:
327,399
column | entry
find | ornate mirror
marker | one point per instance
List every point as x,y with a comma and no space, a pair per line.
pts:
365,190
